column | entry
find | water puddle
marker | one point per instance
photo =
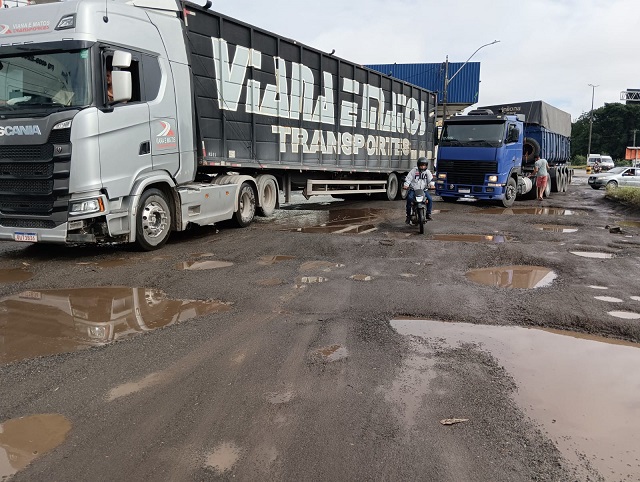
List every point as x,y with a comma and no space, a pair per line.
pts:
556,228
361,277
530,210
201,255
134,387
596,287
224,457
319,266
26,438
332,353
523,277
473,238
609,299
408,275
627,315
349,229
635,298
336,221
269,260
630,224
271,282
305,280
589,408
49,322
14,275
202,265
592,254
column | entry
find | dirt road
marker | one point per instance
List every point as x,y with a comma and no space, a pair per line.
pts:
313,346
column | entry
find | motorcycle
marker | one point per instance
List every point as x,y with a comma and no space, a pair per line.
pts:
419,210
597,168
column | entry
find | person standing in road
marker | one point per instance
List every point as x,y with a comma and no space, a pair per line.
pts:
418,178
541,171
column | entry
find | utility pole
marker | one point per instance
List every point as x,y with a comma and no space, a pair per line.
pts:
635,161
593,90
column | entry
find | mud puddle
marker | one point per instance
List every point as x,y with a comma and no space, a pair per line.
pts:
325,266
588,408
334,221
269,260
532,210
24,439
339,229
522,277
473,238
49,322
14,275
331,353
202,265
556,228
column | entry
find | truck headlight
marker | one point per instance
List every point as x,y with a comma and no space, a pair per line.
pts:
442,175
86,206
493,178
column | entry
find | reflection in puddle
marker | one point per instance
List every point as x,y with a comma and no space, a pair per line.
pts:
513,276
589,408
269,260
24,439
319,265
556,228
332,353
201,265
592,254
627,315
14,275
224,457
304,280
609,299
532,210
47,322
361,277
473,238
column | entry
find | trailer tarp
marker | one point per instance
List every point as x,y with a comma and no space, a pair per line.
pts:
537,112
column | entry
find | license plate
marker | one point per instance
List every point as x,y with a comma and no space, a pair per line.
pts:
28,237
464,191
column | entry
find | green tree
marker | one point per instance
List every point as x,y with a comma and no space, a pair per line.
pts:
613,126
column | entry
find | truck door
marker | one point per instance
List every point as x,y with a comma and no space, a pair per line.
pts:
124,133
513,148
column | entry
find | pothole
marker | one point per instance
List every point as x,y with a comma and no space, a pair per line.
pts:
556,228
26,438
271,282
592,254
523,277
223,457
202,265
473,238
48,322
14,275
332,353
530,210
361,277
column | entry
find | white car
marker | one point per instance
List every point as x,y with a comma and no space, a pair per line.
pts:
618,176
606,162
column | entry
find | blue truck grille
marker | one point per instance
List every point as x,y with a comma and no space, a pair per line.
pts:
467,172
34,182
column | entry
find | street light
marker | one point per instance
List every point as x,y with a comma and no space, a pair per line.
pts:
593,91
448,80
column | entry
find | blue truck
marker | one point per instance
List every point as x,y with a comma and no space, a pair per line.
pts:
489,153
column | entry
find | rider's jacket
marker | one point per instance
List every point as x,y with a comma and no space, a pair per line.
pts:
417,179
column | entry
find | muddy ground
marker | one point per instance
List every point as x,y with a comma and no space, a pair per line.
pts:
277,358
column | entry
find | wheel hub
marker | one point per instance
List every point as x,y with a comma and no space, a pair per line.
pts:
154,220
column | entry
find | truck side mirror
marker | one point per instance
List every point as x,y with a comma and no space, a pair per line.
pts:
122,85
121,59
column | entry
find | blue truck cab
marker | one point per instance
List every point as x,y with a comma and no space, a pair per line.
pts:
489,153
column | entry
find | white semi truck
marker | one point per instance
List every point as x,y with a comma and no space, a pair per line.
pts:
206,119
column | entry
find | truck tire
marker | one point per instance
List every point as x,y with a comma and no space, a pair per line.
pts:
267,195
510,193
556,181
393,186
530,149
153,220
246,206
547,190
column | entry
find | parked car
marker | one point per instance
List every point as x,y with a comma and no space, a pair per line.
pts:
606,162
618,176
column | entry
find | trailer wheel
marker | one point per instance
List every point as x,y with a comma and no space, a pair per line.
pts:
246,206
153,220
268,195
392,186
547,190
565,181
556,181
510,193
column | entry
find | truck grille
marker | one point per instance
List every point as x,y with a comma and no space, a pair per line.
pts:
34,183
467,172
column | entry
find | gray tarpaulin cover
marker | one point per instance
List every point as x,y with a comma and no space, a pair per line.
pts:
537,112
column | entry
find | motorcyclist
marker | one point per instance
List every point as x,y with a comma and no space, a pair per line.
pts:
596,166
418,178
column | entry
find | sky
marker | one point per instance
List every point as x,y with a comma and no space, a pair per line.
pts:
549,50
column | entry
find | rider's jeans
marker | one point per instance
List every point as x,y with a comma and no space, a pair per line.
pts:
411,196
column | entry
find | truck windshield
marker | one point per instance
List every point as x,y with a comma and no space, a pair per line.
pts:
39,83
473,134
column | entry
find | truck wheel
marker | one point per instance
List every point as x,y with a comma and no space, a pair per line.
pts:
246,206
547,190
556,182
268,195
153,220
510,193
392,186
